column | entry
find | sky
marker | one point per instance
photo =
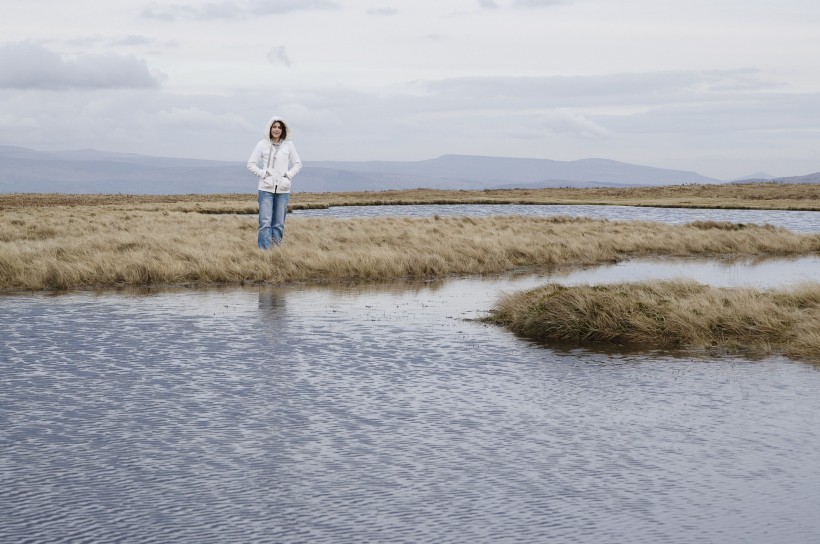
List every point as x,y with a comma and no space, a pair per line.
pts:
725,88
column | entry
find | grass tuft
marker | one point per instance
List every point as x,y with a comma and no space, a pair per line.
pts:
670,314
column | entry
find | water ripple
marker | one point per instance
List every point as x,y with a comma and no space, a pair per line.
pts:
378,414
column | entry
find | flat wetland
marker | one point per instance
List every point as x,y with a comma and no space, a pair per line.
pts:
752,196
454,376
58,241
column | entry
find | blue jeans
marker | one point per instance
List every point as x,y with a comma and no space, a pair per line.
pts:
272,210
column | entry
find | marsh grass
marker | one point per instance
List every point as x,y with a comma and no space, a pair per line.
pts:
779,196
670,314
73,246
737,196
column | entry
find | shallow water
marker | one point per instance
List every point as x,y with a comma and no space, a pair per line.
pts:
798,221
379,414
759,273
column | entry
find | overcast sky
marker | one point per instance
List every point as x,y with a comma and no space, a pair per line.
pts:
722,87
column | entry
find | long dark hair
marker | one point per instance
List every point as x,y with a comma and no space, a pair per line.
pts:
284,135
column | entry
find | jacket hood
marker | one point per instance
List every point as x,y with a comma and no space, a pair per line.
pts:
284,124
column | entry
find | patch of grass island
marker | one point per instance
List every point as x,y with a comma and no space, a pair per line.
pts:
669,315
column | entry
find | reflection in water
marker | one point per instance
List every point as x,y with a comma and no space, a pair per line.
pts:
754,272
381,414
272,305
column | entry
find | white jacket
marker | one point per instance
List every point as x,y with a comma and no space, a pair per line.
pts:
275,166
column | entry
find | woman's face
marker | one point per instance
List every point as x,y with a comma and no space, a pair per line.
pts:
276,130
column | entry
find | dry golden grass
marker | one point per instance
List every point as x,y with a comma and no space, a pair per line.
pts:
62,247
670,314
74,241
741,196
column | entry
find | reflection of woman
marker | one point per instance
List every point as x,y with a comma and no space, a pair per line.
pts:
273,305
275,161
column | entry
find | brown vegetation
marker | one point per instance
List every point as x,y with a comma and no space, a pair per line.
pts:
62,247
670,314
741,196
76,241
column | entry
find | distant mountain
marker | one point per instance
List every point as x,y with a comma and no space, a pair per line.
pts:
87,171
91,171
808,178
477,172
757,176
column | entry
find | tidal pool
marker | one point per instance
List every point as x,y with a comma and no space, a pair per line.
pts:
378,413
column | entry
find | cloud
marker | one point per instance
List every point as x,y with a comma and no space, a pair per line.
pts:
666,118
32,66
18,125
635,90
539,3
770,112
382,11
131,40
194,118
675,129
565,121
175,12
310,118
278,7
227,9
147,121
492,4
279,55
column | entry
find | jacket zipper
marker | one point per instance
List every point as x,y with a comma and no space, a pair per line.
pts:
272,155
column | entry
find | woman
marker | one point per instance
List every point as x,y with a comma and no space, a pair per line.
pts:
275,162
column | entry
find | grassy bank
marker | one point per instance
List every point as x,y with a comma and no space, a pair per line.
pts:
60,247
741,196
670,315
